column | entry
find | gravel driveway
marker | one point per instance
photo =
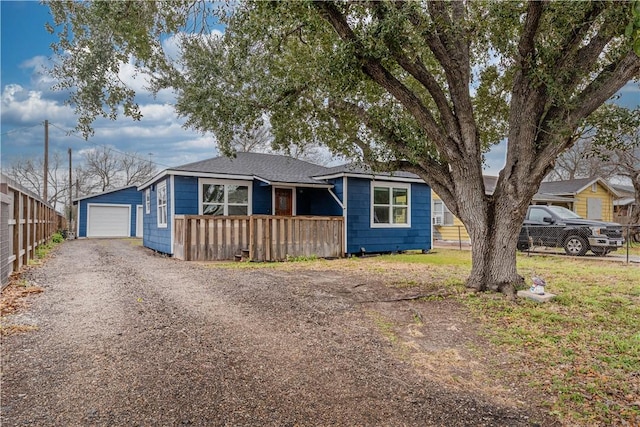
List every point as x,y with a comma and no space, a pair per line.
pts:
126,337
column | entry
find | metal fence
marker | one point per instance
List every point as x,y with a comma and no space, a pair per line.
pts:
620,241
623,241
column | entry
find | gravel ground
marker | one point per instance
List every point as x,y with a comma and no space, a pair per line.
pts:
127,337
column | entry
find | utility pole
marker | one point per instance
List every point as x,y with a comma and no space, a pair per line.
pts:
45,195
70,191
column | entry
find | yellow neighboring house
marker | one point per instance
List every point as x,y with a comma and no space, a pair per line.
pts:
591,198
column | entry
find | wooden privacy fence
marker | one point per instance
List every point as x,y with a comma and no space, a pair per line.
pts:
260,237
26,222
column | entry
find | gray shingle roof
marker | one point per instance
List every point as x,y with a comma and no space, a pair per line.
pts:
269,167
359,169
571,186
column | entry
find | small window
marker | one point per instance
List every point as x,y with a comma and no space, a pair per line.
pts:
391,205
220,198
441,214
594,187
147,201
162,204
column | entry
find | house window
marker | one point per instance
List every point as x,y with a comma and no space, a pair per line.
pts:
224,198
391,205
594,187
161,193
441,214
147,201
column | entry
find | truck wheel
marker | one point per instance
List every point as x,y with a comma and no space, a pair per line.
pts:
576,245
600,251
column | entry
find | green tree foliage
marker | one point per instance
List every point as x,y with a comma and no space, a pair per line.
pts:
421,86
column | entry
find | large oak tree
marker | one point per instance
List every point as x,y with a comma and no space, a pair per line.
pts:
421,86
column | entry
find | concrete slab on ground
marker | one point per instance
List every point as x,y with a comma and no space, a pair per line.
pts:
535,297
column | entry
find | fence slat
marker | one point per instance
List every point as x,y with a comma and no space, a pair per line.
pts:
26,223
267,238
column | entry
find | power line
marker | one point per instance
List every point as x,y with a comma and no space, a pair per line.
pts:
19,129
133,156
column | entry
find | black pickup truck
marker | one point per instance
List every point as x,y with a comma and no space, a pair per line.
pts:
555,226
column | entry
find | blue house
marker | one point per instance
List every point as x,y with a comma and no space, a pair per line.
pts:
224,205
115,213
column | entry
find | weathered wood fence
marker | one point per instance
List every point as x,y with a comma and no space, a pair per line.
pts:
26,221
260,237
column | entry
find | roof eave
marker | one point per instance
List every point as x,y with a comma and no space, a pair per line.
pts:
370,176
77,199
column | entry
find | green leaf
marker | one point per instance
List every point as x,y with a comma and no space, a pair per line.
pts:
628,31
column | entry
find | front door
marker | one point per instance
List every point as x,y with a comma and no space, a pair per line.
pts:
284,201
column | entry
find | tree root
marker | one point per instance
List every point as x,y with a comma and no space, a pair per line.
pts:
414,297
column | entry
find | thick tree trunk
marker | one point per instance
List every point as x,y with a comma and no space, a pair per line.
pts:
635,213
494,237
494,254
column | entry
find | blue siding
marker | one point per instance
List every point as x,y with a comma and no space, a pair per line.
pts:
127,196
338,188
361,235
309,201
261,198
186,195
158,239
316,201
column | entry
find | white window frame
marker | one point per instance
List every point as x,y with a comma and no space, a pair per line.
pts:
391,186
224,183
440,215
147,201
162,187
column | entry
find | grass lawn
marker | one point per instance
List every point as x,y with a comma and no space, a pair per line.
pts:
634,249
583,348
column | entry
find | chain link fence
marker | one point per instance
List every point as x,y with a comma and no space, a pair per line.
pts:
619,241
622,241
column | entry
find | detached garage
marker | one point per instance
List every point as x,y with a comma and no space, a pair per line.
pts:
116,213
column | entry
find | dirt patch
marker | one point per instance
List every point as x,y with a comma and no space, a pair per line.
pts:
130,338
14,300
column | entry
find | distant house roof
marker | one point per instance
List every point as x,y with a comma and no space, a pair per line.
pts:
627,195
572,187
553,192
489,183
551,198
624,190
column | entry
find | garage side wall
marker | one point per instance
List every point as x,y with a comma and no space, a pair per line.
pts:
127,196
154,236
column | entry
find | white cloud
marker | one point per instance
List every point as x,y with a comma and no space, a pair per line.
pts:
22,106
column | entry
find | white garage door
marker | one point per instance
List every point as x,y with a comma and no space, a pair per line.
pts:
108,221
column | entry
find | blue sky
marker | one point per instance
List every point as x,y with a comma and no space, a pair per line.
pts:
28,100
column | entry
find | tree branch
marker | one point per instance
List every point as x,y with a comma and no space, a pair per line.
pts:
434,173
604,86
378,73
417,69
